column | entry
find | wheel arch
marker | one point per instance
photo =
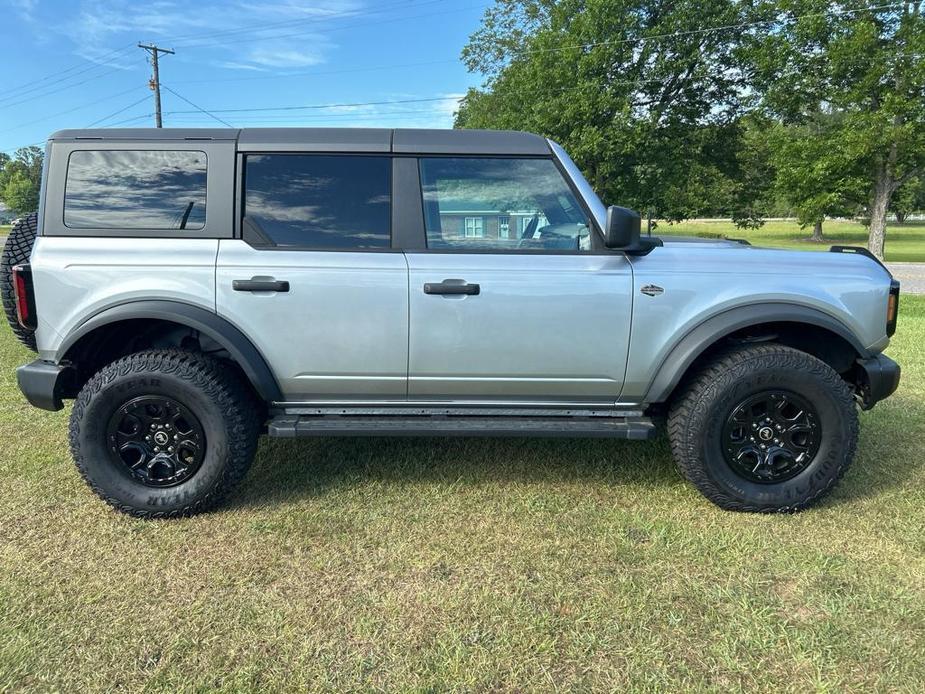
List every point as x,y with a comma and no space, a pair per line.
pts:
803,327
185,316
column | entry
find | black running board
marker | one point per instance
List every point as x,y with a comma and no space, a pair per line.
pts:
293,426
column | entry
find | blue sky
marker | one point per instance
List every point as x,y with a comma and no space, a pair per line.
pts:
70,64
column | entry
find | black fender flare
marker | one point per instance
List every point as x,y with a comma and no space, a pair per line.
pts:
699,338
212,325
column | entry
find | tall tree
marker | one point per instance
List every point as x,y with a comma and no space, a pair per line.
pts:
643,97
861,62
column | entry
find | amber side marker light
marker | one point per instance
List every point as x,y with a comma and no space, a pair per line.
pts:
892,308
22,293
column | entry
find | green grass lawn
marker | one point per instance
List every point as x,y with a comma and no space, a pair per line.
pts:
426,565
905,243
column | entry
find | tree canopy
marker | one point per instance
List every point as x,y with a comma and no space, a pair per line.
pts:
685,108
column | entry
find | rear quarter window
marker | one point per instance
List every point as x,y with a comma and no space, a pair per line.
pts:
136,189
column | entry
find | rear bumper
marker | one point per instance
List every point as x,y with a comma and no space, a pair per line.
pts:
877,379
43,382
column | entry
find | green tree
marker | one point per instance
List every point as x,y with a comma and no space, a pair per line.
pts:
862,71
644,100
20,194
21,179
816,172
910,197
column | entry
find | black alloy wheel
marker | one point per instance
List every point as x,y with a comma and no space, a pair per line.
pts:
159,441
771,436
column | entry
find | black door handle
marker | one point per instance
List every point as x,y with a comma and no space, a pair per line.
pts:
452,287
260,284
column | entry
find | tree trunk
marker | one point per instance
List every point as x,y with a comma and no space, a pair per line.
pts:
879,203
817,232
900,217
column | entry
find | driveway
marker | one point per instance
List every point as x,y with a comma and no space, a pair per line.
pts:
910,275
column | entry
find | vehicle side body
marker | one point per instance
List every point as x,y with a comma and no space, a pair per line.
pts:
592,339
89,282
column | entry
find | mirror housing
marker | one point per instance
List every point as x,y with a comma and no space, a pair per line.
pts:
622,232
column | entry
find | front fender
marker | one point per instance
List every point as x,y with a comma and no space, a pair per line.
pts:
668,373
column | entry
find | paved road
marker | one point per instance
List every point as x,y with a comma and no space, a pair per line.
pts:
910,275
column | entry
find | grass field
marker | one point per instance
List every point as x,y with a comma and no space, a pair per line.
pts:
466,565
905,243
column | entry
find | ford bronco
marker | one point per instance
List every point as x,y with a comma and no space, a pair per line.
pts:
193,289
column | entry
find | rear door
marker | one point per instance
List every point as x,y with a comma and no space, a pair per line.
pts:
314,281
510,301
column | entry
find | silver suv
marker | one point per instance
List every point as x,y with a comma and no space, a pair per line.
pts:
193,289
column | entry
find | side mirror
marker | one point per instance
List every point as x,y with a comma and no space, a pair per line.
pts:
623,226
622,232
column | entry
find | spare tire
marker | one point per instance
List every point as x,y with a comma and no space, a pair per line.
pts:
17,250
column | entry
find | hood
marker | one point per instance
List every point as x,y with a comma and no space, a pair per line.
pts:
701,241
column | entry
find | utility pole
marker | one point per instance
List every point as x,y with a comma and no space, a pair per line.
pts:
155,82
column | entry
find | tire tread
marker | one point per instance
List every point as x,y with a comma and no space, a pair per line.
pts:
16,250
203,372
685,418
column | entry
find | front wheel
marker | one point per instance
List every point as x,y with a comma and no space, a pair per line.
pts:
764,428
163,433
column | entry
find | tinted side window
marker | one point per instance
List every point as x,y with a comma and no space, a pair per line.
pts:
121,189
500,204
318,201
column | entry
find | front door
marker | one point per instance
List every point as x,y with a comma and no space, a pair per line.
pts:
314,282
509,303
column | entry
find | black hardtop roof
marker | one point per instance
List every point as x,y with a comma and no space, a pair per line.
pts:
402,141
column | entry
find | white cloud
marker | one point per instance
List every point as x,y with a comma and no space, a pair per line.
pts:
277,56
252,36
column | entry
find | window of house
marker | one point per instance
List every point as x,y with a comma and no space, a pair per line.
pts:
474,227
322,202
136,189
469,203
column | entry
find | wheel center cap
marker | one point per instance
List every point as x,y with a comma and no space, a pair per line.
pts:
766,433
161,438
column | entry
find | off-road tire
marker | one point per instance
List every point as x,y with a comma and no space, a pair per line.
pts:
697,416
214,393
16,250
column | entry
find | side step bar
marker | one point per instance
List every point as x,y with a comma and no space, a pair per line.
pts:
293,426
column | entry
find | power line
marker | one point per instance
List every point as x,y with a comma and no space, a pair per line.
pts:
726,27
35,84
116,113
61,89
76,108
198,108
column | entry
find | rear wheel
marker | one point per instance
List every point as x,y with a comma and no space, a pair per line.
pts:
16,250
764,428
164,433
